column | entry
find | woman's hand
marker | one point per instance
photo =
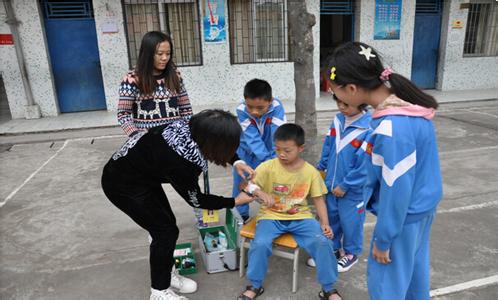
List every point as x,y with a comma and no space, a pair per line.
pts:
382,257
243,198
244,170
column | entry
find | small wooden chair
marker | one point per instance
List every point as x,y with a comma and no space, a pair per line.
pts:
286,248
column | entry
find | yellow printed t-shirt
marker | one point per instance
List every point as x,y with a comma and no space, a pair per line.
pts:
289,189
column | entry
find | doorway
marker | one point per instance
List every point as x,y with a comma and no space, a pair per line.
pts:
74,54
426,43
336,27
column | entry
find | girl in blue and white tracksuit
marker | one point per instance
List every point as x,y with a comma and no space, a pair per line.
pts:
404,183
343,160
256,141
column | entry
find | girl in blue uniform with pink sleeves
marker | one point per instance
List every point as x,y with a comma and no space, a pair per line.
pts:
403,185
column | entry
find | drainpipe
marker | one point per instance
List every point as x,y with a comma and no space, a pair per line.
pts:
32,110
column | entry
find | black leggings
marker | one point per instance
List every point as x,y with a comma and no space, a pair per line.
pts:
149,207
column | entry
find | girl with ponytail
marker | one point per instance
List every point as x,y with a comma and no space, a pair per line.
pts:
404,184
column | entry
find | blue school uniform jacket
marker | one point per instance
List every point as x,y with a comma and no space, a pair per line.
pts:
342,157
404,181
256,141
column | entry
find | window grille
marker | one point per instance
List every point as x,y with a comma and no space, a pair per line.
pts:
178,18
336,7
67,9
428,7
258,31
481,35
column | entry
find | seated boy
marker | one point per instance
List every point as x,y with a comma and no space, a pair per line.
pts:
259,116
283,183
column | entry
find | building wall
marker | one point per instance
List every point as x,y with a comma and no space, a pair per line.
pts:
314,8
36,61
10,72
395,53
217,82
112,48
456,72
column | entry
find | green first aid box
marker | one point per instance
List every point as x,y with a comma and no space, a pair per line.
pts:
185,251
222,260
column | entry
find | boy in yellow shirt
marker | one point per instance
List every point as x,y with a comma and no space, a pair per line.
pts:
283,184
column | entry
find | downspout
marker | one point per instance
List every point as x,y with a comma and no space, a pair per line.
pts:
32,110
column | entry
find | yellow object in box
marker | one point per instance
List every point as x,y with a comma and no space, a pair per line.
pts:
210,216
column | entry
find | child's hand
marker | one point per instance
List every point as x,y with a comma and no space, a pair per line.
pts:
382,257
266,198
327,231
338,192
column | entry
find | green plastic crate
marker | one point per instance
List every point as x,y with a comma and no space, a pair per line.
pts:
191,255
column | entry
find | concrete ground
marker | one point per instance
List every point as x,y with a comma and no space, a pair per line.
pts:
60,238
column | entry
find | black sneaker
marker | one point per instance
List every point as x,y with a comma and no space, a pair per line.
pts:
346,263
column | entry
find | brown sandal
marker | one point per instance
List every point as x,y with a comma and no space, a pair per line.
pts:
323,295
257,291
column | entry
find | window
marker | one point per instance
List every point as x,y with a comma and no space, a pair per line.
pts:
178,18
481,35
258,31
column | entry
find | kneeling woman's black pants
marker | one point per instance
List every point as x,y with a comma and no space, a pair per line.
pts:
149,207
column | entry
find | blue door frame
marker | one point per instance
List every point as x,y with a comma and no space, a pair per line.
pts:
72,43
426,43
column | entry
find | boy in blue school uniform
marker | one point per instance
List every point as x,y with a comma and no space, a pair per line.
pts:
343,160
259,116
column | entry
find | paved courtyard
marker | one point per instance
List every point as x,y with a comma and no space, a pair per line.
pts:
60,238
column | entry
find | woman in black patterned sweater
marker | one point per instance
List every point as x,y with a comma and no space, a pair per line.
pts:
153,94
176,153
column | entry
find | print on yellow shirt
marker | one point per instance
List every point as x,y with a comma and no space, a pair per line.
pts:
289,189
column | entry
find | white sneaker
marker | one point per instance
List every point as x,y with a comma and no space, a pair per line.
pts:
167,294
182,284
311,262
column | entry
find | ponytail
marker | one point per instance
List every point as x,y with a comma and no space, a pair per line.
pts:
408,91
351,66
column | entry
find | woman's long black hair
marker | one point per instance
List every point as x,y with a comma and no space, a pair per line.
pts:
353,68
217,133
145,64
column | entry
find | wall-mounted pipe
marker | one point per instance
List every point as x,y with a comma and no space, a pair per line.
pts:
13,24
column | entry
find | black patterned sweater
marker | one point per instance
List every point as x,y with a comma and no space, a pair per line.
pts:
139,112
164,154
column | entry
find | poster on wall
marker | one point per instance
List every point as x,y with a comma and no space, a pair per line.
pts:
387,19
214,21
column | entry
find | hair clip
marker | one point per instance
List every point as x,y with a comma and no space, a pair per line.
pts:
384,76
332,73
367,52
